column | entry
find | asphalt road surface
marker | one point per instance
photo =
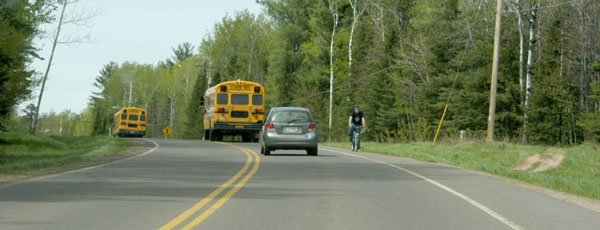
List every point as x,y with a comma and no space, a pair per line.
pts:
203,185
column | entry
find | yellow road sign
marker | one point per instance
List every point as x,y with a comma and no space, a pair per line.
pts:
167,131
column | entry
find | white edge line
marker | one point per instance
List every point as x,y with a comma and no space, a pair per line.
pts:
83,169
456,193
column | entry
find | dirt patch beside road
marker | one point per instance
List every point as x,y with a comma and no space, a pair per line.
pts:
136,146
544,162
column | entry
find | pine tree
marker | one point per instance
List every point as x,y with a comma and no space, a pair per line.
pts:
195,111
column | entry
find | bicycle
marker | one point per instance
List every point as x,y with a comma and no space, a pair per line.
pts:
356,138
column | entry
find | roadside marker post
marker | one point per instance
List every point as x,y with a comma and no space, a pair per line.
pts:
440,125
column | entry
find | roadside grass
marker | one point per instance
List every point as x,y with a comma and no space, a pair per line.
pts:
20,151
579,172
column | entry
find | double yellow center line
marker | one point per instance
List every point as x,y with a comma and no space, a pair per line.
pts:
191,211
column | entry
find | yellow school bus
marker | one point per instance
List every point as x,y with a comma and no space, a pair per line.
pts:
234,108
130,121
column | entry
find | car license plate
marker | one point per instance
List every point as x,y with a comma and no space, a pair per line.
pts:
291,129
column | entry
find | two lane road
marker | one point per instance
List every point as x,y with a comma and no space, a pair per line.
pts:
204,185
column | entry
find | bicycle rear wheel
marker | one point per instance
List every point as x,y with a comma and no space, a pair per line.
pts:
355,142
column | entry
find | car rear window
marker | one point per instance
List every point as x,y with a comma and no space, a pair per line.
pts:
291,116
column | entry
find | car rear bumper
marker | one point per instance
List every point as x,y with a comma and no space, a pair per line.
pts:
283,141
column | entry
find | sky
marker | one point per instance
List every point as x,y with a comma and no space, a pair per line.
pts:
142,31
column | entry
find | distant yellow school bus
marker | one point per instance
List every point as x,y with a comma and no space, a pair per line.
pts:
130,121
234,108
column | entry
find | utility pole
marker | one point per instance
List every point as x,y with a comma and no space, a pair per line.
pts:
130,90
494,86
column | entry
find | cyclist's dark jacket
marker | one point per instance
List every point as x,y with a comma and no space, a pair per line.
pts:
357,118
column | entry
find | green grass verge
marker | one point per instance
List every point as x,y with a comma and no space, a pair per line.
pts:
21,151
578,174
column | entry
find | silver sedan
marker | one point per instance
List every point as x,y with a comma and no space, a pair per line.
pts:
289,128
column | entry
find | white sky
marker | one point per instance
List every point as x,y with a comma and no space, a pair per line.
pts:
141,31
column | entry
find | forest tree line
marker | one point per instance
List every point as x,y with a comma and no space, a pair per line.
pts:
400,61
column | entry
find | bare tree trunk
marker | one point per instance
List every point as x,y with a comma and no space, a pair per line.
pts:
530,59
172,111
376,14
37,108
130,91
582,24
356,13
334,12
519,9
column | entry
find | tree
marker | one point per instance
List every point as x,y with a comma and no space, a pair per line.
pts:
406,60
29,115
195,111
19,25
333,9
182,52
530,60
357,10
100,101
80,19
519,11
291,31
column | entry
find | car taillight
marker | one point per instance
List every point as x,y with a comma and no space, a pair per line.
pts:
312,126
270,126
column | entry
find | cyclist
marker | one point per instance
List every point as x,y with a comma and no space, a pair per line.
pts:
357,118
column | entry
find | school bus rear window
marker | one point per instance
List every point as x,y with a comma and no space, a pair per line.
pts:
239,99
133,117
257,99
123,116
222,99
